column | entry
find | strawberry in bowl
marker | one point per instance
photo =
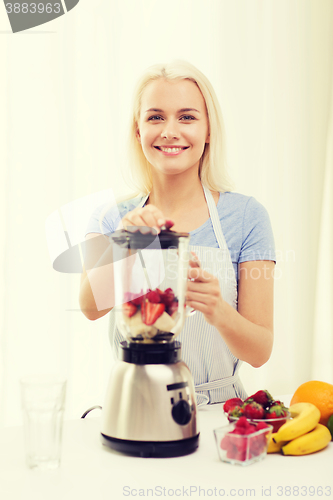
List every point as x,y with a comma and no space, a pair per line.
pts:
243,442
254,411
260,407
231,403
261,397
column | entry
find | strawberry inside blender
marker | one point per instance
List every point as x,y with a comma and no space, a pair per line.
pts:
155,309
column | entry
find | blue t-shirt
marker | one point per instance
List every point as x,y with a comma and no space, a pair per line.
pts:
244,221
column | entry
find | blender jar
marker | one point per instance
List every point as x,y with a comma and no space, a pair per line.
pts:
150,276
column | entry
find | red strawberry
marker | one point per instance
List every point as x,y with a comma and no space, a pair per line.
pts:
258,444
231,403
241,455
254,410
129,309
239,430
236,412
169,223
225,442
153,297
250,430
243,423
173,307
137,298
150,312
167,297
240,445
232,452
261,425
279,403
137,301
276,411
262,397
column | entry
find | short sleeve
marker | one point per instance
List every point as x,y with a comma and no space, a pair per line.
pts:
104,220
257,234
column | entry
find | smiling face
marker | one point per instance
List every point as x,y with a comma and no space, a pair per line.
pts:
173,126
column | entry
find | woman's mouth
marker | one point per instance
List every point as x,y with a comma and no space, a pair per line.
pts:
171,150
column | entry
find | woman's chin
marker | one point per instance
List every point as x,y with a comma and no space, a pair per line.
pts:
175,170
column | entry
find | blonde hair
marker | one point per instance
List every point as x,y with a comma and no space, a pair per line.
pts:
213,163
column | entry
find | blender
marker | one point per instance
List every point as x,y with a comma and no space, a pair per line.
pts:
150,404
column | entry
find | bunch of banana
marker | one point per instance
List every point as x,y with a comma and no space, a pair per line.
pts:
301,435
312,441
274,447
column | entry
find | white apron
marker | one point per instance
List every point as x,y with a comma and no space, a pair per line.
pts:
214,368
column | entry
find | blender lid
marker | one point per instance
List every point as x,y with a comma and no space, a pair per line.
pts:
140,237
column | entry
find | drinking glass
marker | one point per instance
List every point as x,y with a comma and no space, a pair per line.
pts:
43,403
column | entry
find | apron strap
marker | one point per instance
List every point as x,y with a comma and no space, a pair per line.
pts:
217,384
143,201
214,216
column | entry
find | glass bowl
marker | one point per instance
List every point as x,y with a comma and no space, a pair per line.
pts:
243,449
276,423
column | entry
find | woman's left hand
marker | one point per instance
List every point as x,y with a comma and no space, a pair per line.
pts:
203,292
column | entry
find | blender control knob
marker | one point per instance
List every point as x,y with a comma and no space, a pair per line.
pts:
181,412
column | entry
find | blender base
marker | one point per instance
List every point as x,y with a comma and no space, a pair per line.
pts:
147,449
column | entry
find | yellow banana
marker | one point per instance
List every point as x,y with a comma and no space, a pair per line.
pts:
305,418
315,440
275,447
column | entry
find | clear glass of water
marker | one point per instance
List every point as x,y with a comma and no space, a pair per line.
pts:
43,404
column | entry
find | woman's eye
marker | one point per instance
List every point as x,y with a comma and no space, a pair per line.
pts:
154,118
186,118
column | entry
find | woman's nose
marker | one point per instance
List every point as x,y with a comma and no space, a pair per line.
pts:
170,131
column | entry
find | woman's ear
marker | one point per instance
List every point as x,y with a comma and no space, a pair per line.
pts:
137,135
208,139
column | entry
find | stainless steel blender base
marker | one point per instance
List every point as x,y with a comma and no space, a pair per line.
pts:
150,405
152,449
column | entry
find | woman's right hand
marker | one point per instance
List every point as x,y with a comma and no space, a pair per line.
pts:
148,216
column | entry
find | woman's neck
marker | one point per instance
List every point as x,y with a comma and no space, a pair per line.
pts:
174,196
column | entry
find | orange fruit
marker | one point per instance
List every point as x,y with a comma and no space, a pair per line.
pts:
319,394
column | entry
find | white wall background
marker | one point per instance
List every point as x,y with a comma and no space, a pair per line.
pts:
65,94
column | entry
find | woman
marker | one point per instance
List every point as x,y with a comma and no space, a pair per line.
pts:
177,141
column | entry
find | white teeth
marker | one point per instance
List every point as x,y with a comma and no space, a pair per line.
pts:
171,150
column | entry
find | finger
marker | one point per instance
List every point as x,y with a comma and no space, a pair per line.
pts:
151,217
199,286
197,305
196,297
195,257
150,220
194,263
160,220
133,220
194,260
139,217
199,274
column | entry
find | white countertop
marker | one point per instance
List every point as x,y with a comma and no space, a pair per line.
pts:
91,471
